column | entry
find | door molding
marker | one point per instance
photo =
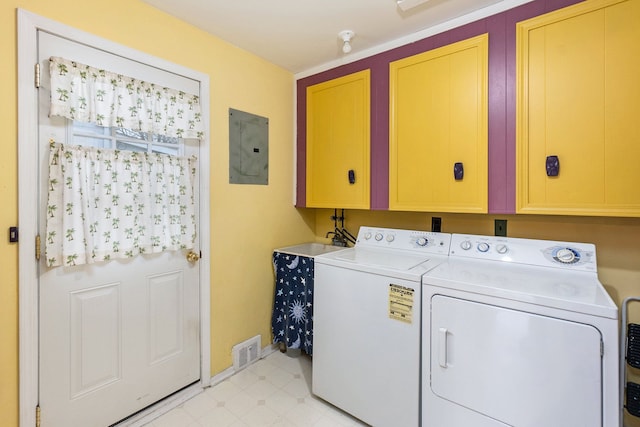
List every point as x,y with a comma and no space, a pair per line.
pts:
28,25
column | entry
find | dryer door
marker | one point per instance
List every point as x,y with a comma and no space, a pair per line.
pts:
519,368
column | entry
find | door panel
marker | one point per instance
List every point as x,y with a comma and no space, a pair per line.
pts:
95,341
166,316
116,336
502,363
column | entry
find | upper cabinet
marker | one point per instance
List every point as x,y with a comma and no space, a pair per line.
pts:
578,118
438,129
338,143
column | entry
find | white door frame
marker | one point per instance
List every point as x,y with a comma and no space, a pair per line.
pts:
28,25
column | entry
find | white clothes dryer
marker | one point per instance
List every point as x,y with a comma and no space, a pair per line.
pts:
367,309
518,332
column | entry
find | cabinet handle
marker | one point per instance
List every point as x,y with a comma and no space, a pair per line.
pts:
352,176
553,165
458,171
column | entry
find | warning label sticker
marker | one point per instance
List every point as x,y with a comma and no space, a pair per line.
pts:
401,303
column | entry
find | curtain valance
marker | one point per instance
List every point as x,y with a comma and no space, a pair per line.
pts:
86,94
107,204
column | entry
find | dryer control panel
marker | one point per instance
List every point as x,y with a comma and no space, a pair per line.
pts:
413,240
543,253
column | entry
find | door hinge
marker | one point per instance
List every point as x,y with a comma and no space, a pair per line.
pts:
37,76
38,416
38,243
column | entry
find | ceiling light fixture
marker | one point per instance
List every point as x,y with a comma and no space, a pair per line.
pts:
409,4
346,37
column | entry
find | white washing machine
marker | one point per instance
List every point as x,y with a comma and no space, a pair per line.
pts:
366,354
518,332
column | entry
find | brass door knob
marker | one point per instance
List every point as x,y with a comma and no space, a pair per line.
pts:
192,256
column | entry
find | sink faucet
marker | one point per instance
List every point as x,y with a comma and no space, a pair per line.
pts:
337,239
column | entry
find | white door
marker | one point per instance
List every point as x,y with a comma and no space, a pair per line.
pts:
505,366
118,336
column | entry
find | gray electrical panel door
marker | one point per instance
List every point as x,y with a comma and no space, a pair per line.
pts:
248,148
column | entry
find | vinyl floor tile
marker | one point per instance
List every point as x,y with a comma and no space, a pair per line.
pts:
273,392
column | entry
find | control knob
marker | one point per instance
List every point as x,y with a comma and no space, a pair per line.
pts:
390,238
379,236
483,247
502,249
466,245
566,256
422,241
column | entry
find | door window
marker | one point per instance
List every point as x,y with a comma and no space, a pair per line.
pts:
92,135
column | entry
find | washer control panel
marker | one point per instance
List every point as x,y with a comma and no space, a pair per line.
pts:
414,240
575,256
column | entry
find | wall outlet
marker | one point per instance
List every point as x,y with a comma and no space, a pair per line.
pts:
501,227
436,224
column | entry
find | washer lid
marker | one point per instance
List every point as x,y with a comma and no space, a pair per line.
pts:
384,258
395,263
576,291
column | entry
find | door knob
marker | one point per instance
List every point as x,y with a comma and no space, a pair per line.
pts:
192,256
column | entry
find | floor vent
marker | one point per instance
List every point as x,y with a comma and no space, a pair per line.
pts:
245,353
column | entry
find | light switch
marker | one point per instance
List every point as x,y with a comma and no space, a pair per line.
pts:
13,234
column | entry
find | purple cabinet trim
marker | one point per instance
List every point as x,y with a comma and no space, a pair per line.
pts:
501,189
502,103
380,135
301,146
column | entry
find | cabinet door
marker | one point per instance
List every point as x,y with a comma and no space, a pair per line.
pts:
438,117
338,140
579,100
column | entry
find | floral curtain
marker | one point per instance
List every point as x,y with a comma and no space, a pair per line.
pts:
86,94
106,204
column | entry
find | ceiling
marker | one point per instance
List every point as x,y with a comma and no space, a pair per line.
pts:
302,35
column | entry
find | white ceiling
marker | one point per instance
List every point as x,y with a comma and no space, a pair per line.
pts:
302,35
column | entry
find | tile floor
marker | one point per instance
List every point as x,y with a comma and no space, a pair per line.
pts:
274,391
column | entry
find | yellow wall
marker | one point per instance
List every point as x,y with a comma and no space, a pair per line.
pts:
247,221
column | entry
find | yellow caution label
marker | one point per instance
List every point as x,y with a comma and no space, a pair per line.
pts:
401,303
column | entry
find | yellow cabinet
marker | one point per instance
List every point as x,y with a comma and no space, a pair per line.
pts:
338,143
578,119
438,129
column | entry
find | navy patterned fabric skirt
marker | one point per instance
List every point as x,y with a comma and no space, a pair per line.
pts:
292,320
